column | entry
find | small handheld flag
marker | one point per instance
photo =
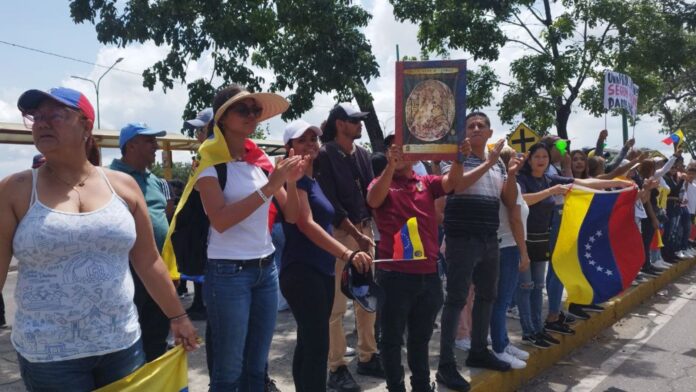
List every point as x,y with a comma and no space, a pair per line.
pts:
407,242
677,137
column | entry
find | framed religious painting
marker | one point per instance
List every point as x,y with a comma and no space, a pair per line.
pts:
430,108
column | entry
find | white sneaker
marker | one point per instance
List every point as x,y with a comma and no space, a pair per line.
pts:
516,352
513,313
463,344
681,255
514,362
661,264
690,252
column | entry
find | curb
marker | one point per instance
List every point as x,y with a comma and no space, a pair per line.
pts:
615,309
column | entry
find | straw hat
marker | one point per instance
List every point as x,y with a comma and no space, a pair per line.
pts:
272,104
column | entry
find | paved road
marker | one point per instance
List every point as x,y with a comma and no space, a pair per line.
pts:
651,350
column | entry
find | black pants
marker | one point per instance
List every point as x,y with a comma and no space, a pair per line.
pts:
154,324
2,311
310,295
647,232
411,303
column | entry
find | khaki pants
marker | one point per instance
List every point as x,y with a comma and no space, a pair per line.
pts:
367,344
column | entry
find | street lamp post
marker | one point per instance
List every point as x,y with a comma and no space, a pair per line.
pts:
96,85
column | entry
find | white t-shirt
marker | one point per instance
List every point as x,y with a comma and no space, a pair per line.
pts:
248,239
691,197
505,237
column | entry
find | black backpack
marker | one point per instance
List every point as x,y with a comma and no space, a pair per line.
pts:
190,236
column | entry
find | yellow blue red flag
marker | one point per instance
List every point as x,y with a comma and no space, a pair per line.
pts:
599,250
168,373
407,242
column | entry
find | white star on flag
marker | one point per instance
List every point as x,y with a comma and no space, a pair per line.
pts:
599,268
587,255
609,273
588,246
592,262
599,233
591,238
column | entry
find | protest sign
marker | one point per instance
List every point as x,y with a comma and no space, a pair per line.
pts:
430,108
620,93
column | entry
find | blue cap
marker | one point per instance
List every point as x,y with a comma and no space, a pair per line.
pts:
31,99
132,130
202,119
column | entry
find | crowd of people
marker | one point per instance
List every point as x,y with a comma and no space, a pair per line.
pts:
471,238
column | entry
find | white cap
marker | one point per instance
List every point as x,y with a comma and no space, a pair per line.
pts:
351,111
297,128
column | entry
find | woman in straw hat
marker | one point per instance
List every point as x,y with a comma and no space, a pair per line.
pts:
241,281
73,227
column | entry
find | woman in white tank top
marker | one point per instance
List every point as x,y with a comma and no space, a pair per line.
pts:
73,227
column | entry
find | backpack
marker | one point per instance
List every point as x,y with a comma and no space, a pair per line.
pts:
190,236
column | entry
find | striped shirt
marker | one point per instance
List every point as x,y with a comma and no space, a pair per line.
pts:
475,209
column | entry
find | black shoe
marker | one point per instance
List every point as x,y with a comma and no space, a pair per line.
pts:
372,368
270,386
427,388
450,377
342,381
536,341
566,318
650,271
558,327
486,360
544,335
592,308
577,312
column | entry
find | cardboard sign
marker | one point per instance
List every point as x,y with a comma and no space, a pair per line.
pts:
522,138
620,93
430,108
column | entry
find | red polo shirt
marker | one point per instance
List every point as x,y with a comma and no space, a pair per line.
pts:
410,197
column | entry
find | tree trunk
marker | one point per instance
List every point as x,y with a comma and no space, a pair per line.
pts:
374,129
562,116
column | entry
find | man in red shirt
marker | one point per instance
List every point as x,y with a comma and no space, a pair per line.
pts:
413,290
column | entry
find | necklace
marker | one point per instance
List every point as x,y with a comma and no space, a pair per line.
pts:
80,183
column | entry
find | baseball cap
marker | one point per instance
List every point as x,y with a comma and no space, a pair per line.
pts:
361,288
31,99
297,128
202,119
345,110
132,130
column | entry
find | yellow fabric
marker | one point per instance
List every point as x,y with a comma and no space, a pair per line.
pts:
212,152
418,250
565,255
168,373
681,137
660,244
662,195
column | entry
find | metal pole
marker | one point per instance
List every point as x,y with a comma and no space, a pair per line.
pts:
96,86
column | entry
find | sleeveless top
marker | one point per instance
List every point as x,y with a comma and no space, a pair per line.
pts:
74,290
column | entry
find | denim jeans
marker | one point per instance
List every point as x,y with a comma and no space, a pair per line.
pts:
411,302
242,306
507,283
529,298
554,287
469,258
81,374
672,235
686,228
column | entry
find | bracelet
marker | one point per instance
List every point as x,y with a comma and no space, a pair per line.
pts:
352,256
262,195
178,317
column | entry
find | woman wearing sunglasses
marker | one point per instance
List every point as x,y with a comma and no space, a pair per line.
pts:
241,281
73,227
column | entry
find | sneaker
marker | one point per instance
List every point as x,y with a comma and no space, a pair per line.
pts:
516,352
558,327
463,344
545,335
450,377
536,341
486,360
270,386
681,255
592,308
566,318
661,264
650,270
515,363
342,381
577,312
513,313
350,352
432,387
372,368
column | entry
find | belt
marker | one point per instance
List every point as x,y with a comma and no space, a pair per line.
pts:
249,263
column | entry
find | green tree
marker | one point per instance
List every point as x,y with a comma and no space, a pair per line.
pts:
312,46
562,50
180,171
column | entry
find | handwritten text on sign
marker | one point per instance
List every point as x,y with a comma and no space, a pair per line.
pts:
620,93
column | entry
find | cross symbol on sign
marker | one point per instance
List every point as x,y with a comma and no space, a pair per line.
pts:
523,136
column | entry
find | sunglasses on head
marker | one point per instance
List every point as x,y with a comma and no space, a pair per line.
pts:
244,110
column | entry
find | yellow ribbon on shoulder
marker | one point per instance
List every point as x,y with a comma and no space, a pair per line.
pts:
212,152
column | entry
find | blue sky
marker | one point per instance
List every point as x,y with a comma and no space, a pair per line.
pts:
46,25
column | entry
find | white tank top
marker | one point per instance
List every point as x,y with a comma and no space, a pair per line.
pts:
74,290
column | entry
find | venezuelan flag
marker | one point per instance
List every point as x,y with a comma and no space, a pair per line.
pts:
407,242
168,373
676,137
599,250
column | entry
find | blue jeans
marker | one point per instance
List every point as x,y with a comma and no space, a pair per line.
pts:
242,305
507,283
81,374
529,298
554,287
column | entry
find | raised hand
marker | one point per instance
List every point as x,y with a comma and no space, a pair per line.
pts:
603,134
515,164
284,168
394,155
465,148
494,154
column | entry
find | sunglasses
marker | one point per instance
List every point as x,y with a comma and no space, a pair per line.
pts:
353,120
244,110
55,118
